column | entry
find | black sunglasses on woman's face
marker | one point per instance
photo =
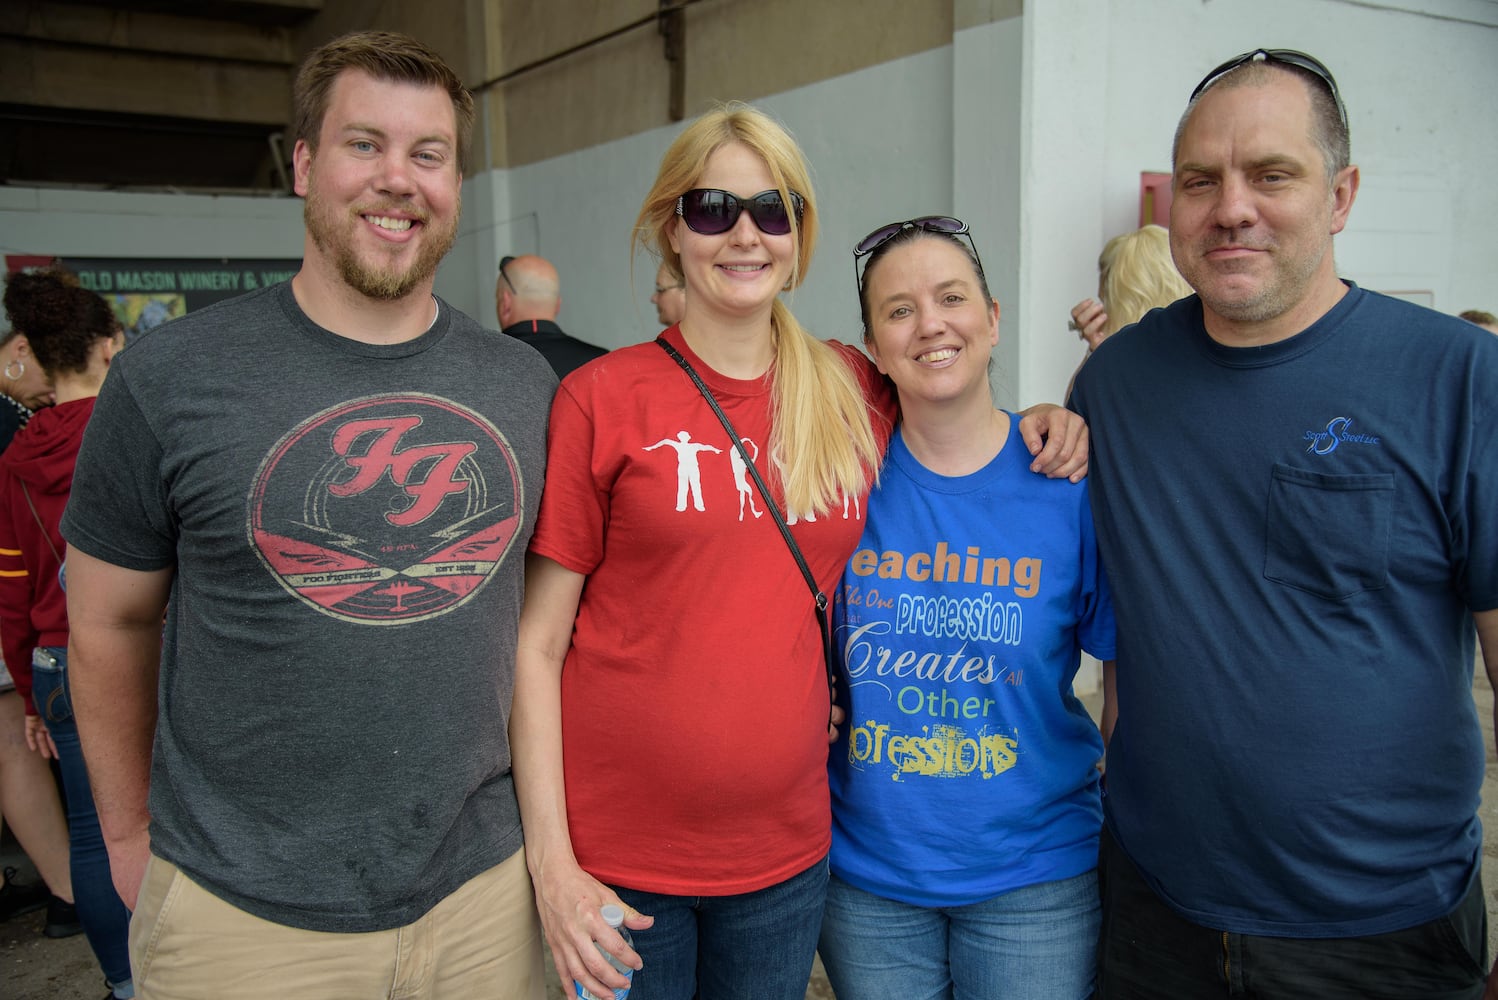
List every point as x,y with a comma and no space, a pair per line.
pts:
711,211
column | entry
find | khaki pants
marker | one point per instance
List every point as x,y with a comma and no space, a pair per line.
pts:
483,941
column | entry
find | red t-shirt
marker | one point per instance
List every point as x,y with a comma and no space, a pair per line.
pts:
694,697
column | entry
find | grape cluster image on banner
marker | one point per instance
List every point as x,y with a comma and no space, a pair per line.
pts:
388,509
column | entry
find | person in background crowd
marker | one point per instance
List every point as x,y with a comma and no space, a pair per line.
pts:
965,808
1292,481
670,296
28,793
1135,275
1486,320
527,298
23,384
74,336
666,643
337,507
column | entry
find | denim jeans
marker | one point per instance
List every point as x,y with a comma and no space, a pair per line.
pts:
752,946
105,920
1150,952
1038,942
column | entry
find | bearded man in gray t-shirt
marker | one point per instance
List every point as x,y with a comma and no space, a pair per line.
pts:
327,487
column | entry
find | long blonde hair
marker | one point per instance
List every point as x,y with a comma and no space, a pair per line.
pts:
1136,274
821,442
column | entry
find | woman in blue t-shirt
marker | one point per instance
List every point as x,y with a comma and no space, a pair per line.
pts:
964,785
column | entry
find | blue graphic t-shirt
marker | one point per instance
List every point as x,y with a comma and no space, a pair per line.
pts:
967,766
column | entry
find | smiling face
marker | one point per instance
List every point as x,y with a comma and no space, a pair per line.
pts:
1252,216
736,274
383,187
931,329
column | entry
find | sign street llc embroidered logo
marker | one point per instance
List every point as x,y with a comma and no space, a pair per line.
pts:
387,509
1338,431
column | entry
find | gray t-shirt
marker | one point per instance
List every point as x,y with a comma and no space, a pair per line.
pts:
348,524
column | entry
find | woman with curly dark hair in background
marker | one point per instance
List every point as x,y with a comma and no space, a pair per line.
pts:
73,337
28,794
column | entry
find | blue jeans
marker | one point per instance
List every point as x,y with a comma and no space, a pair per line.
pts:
753,946
105,920
1034,943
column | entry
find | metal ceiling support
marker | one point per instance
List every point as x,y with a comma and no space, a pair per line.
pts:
669,10
672,23
279,160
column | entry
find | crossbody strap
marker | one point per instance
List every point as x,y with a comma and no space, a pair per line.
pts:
819,598
45,534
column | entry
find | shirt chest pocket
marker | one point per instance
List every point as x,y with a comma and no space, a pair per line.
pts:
1328,535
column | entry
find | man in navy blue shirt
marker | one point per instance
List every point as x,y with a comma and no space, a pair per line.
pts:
1293,484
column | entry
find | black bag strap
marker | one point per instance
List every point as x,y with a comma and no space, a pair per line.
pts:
818,597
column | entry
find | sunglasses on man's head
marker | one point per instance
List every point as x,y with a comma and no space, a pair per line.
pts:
710,211
503,263
1285,57
945,225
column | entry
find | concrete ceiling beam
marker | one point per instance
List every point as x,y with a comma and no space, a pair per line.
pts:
144,32
44,74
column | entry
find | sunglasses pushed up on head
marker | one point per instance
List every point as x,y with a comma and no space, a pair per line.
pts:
711,211
945,225
1283,57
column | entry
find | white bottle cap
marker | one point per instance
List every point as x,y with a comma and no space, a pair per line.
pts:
612,915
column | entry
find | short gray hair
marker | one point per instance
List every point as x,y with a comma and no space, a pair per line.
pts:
1328,131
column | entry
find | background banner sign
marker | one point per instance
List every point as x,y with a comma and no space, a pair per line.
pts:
148,292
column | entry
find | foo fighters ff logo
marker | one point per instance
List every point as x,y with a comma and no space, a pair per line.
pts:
387,510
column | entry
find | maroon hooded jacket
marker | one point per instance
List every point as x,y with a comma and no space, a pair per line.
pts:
38,462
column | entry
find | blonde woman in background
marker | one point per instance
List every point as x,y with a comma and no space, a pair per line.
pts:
1135,274
671,708
1486,320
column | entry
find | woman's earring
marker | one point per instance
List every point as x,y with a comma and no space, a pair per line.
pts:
15,375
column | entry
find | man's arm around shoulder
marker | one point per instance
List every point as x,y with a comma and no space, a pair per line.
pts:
114,656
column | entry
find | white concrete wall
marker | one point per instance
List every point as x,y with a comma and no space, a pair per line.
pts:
1033,129
1063,127
1418,77
987,160
105,224
879,145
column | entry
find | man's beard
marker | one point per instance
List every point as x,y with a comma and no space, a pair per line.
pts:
334,237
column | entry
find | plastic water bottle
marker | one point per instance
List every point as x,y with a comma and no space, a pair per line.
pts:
614,917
